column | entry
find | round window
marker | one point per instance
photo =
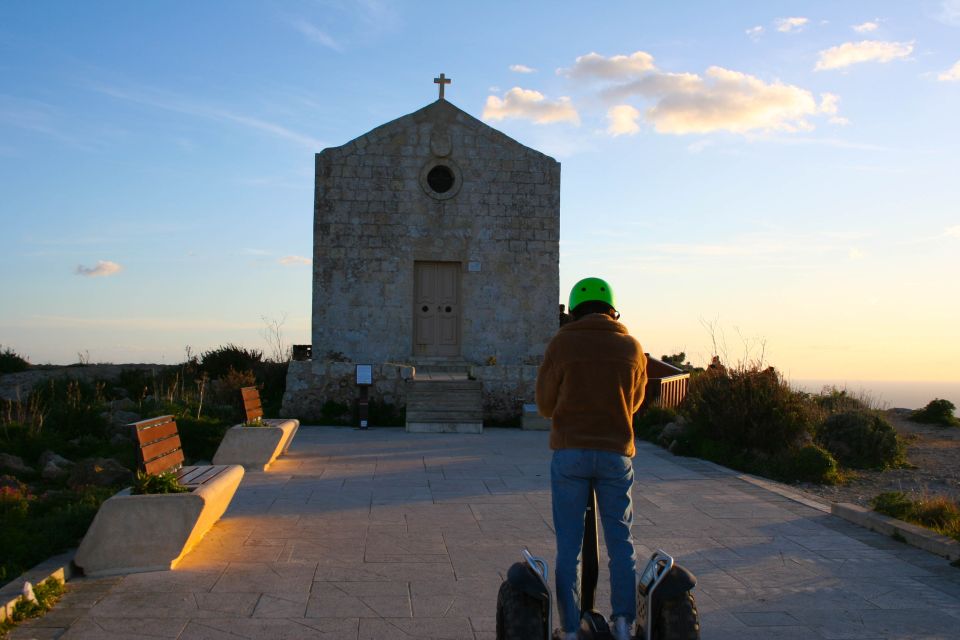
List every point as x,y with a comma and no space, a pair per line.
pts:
441,178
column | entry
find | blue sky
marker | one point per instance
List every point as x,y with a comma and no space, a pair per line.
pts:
783,172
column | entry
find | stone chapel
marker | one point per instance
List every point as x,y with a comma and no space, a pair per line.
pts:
436,252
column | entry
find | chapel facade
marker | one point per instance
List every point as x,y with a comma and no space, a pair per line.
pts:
436,248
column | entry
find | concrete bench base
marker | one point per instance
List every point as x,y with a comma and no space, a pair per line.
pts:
131,534
256,447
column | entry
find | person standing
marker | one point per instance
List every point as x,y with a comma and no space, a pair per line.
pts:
591,382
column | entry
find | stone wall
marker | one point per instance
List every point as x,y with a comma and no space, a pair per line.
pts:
376,215
312,383
17,386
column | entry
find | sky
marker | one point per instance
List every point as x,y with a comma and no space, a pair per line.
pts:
771,180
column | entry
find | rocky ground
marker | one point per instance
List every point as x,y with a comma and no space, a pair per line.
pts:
934,452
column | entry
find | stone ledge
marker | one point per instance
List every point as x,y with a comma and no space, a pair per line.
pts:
59,567
913,535
444,427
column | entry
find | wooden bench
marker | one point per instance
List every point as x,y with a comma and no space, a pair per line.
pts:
132,533
159,451
256,447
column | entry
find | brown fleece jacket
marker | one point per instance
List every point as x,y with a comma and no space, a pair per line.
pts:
591,382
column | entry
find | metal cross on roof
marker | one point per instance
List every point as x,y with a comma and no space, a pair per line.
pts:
442,80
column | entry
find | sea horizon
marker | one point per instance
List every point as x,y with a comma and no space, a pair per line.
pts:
887,394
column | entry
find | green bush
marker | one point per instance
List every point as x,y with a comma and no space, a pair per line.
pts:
833,400
11,362
751,411
218,362
861,440
200,437
815,464
650,423
50,523
385,414
937,411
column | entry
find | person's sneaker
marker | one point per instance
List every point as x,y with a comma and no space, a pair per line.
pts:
620,629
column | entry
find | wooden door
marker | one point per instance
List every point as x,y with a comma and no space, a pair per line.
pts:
436,309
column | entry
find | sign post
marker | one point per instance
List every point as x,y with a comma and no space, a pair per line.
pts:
364,380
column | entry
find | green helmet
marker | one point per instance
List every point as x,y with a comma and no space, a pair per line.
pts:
590,289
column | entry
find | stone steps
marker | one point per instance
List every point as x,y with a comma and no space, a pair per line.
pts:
444,403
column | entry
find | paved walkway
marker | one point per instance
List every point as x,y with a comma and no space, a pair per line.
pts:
385,534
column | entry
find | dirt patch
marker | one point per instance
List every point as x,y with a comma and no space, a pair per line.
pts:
933,450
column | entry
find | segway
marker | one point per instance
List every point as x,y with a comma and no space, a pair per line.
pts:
666,609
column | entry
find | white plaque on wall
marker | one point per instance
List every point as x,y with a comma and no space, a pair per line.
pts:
364,374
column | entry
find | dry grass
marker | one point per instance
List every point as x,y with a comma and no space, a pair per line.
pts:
938,513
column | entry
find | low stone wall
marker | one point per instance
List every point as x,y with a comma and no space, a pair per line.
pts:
311,383
17,386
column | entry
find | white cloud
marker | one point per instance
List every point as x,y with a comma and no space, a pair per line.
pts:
594,66
102,268
294,260
754,32
953,231
866,27
522,68
623,120
730,101
856,253
950,75
850,53
789,25
315,34
683,103
531,105
828,106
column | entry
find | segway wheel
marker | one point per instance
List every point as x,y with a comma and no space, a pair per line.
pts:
520,616
677,618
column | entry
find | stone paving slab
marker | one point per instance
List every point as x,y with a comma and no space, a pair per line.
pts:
387,534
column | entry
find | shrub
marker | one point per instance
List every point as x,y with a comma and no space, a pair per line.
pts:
200,437
218,362
833,400
815,464
11,362
649,424
937,411
74,408
53,522
747,409
386,414
861,440
150,483
336,413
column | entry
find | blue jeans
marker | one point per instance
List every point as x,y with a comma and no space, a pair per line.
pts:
571,473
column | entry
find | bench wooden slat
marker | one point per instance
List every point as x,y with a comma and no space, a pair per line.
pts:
252,406
152,434
167,463
195,476
158,450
